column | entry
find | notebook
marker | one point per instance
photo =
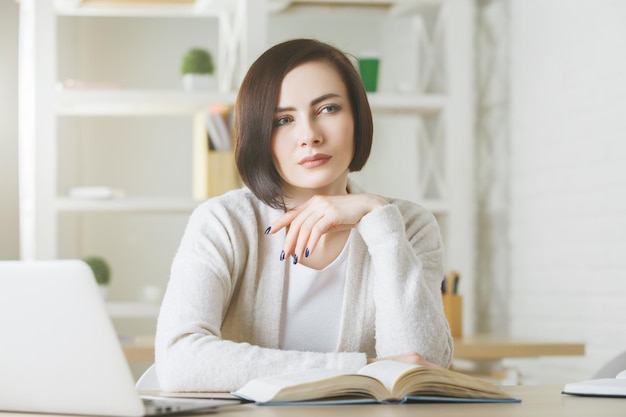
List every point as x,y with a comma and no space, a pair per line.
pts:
59,352
601,387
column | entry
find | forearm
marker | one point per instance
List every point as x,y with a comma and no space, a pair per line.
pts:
198,362
192,350
406,288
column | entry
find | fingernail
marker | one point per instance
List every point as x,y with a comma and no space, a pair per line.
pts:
306,253
282,255
267,230
295,259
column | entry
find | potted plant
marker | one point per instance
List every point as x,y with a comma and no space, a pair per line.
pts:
197,69
101,272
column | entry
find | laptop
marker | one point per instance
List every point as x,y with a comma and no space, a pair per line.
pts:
59,352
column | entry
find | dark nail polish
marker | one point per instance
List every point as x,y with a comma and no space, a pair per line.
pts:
295,259
306,253
267,230
282,255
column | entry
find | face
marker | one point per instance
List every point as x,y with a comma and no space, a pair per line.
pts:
313,132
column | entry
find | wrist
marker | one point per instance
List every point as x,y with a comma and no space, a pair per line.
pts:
376,201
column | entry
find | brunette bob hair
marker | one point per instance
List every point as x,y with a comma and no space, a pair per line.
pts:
256,105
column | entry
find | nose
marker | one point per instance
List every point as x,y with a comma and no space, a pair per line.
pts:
309,133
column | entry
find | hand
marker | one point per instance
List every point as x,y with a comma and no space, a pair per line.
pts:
321,214
413,358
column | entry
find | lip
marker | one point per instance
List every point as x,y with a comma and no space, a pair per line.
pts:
313,161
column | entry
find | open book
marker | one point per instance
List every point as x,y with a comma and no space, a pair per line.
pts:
602,387
382,381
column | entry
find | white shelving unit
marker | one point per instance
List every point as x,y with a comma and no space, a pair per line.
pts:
135,102
45,212
434,124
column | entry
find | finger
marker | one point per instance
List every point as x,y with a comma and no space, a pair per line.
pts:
304,236
298,234
283,221
319,217
316,233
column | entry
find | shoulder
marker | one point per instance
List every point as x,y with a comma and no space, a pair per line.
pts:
418,221
401,218
230,200
408,210
238,208
411,210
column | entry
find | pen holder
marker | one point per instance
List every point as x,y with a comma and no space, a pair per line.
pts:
453,308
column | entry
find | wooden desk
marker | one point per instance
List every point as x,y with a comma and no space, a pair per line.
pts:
537,401
490,347
138,348
486,353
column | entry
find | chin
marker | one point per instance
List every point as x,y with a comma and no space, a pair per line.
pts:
320,181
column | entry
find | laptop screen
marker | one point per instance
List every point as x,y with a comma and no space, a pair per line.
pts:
59,352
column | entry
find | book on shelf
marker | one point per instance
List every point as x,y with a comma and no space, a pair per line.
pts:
600,387
218,121
214,169
378,382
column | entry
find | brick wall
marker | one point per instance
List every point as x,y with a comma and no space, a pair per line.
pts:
568,180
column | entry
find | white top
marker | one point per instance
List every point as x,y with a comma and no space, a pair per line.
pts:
312,306
220,321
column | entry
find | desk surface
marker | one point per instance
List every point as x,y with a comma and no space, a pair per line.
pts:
495,347
479,347
537,401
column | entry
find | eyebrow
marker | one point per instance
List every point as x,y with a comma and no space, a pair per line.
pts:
313,102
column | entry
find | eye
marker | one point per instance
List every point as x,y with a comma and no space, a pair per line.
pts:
281,121
330,108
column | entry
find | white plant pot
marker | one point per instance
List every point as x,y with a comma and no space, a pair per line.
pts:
104,290
193,82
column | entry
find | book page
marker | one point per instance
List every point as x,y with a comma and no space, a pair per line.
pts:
388,372
268,388
402,379
385,381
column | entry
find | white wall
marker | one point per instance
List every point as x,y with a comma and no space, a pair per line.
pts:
9,231
568,179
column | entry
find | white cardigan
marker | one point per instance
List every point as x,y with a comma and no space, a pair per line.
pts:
219,324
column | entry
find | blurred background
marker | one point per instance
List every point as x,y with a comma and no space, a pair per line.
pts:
503,117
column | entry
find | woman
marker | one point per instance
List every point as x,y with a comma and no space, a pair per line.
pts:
301,269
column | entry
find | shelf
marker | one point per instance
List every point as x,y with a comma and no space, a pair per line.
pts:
396,6
143,8
420,103
126,205
212,8
175,102
136,102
